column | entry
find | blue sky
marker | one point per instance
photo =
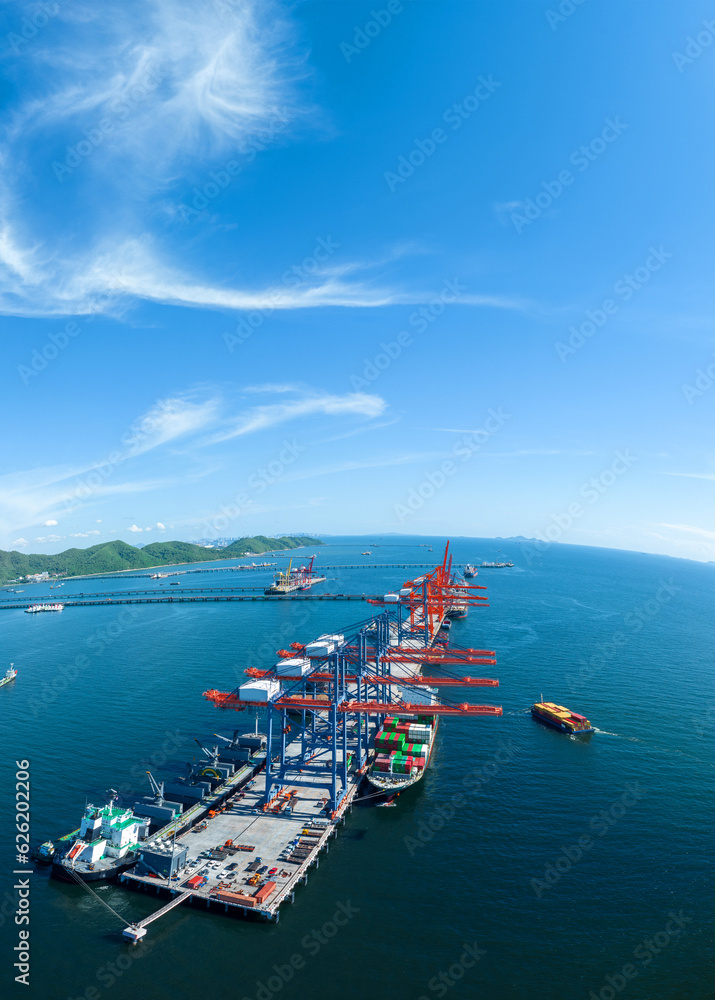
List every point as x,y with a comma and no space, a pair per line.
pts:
431,267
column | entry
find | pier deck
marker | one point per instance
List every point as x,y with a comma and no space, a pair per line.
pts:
269,833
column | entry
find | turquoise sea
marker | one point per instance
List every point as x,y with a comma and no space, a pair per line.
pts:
527,864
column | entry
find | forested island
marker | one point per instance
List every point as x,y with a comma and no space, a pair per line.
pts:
110,557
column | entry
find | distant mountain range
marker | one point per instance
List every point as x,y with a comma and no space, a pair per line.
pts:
108,557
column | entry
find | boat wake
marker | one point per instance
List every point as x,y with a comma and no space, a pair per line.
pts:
605,732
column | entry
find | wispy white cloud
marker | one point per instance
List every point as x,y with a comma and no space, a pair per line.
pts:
82,534
261,417
168,420
154,92
28,496
146,92
275,387
691,475
689,529
356,465
20,542
366,429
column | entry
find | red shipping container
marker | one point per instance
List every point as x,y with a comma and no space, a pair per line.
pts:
264,892
235,897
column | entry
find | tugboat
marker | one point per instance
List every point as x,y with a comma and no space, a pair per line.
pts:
470,571
10,675
44,853
106,845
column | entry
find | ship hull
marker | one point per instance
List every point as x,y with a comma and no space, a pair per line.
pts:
554,724
106,873
393,786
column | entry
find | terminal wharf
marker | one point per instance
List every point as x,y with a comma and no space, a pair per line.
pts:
241,820
258,824
122,575
184,597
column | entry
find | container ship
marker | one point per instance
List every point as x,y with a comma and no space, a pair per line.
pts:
403,747
561,718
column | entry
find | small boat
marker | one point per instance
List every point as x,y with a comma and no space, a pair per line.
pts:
561,718
10,675
44,853
470,571
35,608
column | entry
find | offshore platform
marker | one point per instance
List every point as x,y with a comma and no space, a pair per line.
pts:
324,702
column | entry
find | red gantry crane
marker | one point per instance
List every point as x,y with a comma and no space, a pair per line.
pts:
334,688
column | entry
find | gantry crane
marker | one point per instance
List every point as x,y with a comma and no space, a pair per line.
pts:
338,689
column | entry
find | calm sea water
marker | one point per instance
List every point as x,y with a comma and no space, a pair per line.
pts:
559,862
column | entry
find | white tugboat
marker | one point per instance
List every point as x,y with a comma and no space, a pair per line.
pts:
10,675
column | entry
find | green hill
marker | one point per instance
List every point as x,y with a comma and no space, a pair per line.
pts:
109,557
